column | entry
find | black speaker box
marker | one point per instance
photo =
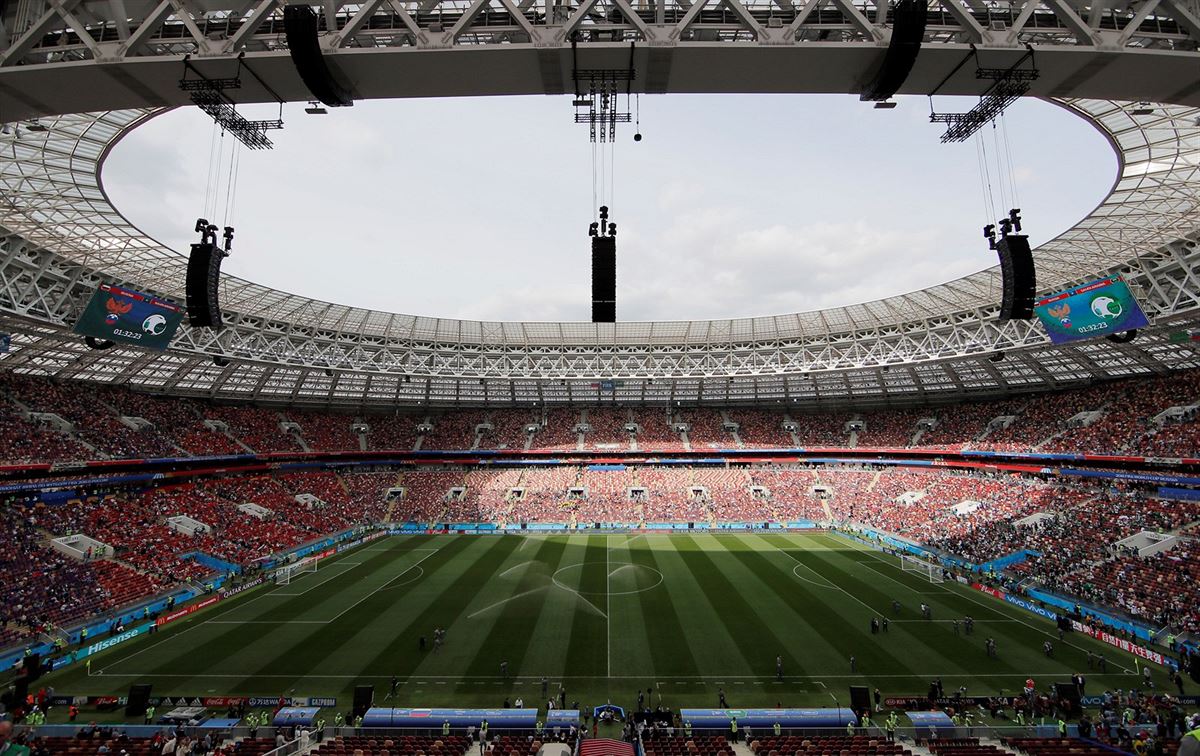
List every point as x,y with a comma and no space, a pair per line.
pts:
139,699
908,31
301,26
604,279
860,698
1068,694
203,283
364,698
31,667
1020,280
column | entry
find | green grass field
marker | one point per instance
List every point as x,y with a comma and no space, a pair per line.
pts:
604,614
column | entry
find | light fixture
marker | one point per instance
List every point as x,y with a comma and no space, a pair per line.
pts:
1142,109
885,105
314,108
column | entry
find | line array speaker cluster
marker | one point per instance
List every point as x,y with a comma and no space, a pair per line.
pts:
203,285
604,279
908,31
301,27
1020,279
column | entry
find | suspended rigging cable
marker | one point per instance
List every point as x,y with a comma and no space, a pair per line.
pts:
235,160
1012,171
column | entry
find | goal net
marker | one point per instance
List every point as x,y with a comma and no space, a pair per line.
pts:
285,574
924,567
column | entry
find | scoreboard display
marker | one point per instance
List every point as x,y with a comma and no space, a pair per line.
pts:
1099,308
129,317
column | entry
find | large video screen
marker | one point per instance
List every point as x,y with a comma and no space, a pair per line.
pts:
129,317
1099,308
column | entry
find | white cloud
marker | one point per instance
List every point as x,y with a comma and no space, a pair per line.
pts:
731,206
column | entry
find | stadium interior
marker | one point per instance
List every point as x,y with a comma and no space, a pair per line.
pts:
960,521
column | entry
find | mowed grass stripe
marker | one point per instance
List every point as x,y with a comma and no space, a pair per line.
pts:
514,621
212,646
467,633
296,654
648,637
841,623
708,559
428,606
1020,641
586,644
710,649
928,645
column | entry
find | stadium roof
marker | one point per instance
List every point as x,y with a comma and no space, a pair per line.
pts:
61,236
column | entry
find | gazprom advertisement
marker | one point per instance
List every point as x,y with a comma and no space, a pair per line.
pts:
129,317
1099,308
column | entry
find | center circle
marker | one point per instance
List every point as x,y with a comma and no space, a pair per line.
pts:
615,569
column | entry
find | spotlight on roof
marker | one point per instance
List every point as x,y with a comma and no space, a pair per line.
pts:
34,125
314,108
1142,109
220,361
885,105
997,357
1123,338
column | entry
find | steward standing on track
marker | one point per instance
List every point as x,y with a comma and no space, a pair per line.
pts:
1189,744
149,715
445,727
687,728
890,727
733,730
778,667
777,729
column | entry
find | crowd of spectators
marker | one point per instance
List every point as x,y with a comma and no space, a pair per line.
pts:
760,428
1130,416
42,588
22,442
1162,588
706,429
508,429
558,431
607,428
454,430
256,427
80,404
396,432
890,428
325,431
656,431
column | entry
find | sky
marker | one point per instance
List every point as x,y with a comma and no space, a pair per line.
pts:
730,206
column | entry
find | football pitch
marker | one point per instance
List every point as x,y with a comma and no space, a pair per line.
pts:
604,616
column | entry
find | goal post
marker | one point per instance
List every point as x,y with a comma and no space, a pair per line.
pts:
932,571
284,575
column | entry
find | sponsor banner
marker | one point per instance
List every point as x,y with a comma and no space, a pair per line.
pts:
107,700
269,702
321,702
1030,607
185,611
922,702
1124,645
989,591
229,593
99,646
